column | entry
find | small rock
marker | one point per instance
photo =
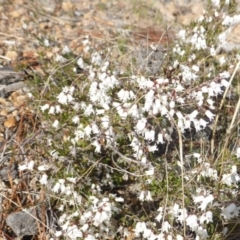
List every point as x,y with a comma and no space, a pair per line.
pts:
47,5
4,112
23,223
9,172
10,122
67,6
3,102
13,55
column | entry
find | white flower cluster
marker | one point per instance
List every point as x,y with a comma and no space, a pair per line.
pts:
97,215
119,124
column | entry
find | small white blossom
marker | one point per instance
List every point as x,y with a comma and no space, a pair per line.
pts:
216,3
160,215
192,222
75,119
182,34
142,196
213,51
203,200
73,232
209,115
45,107
28,166
166,226
206,217
230,211
149,135
97,146
80,63
96,58
52,110
238,152
148,196
55,124
222,60
60,58
141,124
43,179
46,42
66,50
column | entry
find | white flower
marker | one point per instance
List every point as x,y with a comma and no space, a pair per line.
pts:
172,104
187,75
90,237
192,222
46,42
45,107
43,179
174,210
216,3
55,124
204,201
96,58
149,135
75,119
142,196
232,178
141,124
222,60
80,63
144,83
60,58
149,98
89,110
206,217
97,146
73,232
182,34
148,196
210,102
119,199
201,233
27,166
58,109
182,215
238,152
213,51
150,172
224,74
230,211
193,115
179,237
224,82
56,187
207,171
66,50
166,226
65,96
152,148
124,96
44,167
52,110
71,179
195,68
210,115
160,215
203,123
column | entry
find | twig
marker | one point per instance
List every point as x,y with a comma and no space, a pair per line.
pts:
220,107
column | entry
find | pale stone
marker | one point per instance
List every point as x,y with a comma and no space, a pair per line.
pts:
13,55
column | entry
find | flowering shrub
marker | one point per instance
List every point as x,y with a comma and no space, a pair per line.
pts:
131,154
